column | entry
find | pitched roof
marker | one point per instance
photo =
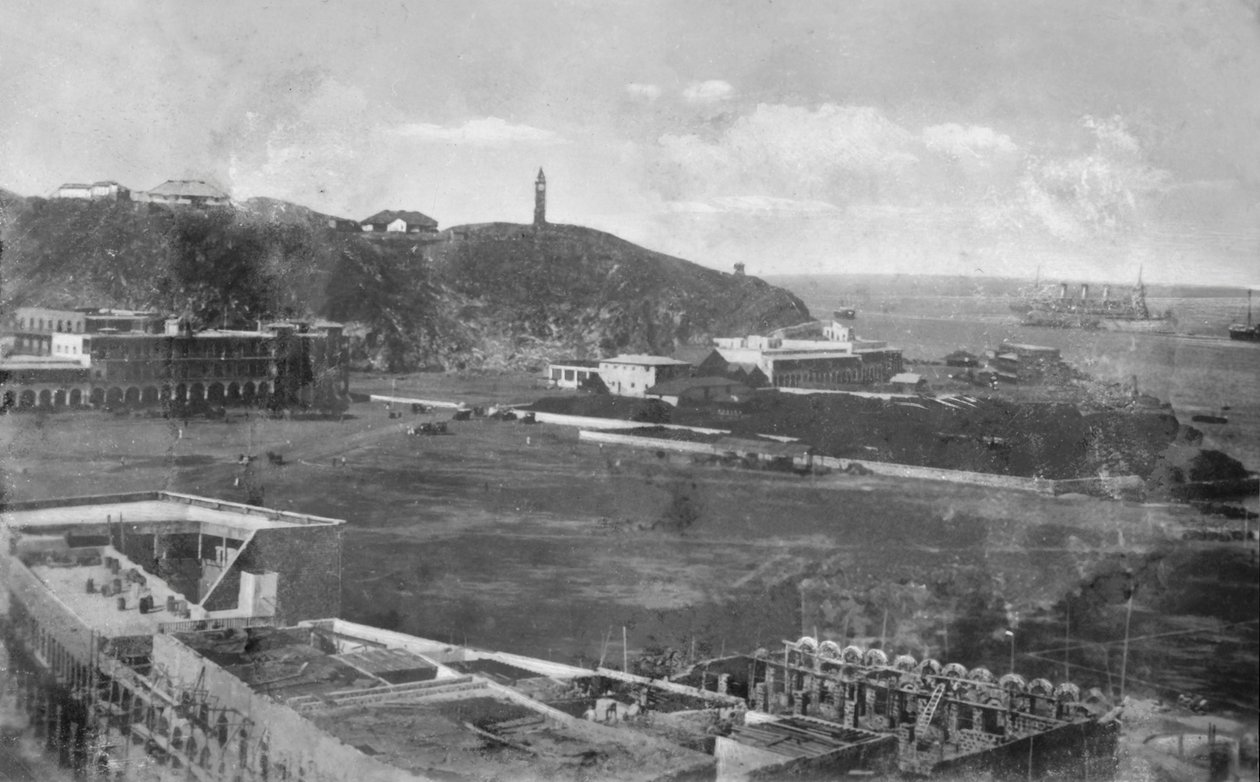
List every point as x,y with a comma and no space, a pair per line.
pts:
390,215
191,188
682,384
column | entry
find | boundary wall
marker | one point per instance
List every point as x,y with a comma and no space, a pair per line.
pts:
1105,485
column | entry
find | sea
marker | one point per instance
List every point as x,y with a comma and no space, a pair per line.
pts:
1197,369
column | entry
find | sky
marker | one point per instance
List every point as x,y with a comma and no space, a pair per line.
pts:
1080,138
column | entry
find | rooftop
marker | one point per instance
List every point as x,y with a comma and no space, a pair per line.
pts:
644,360
802,737
575,362
101,612
192,188
420,716
679,385
390,215
151,507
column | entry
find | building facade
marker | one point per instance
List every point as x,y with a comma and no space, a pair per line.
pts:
114,358
945,717
571,374
634,374
818,354
185,192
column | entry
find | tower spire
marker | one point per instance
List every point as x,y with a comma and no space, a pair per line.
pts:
540,199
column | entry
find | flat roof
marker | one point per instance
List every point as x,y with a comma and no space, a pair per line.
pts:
420,716
40,362
575,362
802,737
100,613
157,506
1028,347
480,733
645,360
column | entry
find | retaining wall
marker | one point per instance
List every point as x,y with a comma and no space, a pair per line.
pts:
1095,485
613,423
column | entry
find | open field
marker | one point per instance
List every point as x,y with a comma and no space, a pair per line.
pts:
519,537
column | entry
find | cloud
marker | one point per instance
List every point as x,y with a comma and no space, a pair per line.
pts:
832,154
707,91
644,91
752,204
974,141
487,132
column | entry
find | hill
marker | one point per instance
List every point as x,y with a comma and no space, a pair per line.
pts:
495,296
592,293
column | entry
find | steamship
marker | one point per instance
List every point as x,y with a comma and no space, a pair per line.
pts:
1057,306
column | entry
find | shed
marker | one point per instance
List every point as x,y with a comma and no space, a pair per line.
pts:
910,381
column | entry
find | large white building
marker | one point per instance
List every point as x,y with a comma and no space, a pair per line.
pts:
817,354
634,374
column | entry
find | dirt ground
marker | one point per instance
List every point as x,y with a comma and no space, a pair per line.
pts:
518,537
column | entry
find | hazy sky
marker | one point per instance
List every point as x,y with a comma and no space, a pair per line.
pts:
962,136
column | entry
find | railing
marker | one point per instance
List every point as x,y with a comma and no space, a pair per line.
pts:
210,623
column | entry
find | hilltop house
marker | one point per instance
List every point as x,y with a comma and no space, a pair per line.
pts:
185,192
73,190
97,191
398,221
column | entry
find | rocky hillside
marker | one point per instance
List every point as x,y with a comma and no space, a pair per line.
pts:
529,290
494,295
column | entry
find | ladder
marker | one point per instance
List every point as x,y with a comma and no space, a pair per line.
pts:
925,716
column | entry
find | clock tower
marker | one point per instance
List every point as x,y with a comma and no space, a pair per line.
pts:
540,199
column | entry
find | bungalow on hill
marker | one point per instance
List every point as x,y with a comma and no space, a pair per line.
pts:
185,192
73,190
399,221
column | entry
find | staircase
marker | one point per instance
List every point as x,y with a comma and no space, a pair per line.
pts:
929,711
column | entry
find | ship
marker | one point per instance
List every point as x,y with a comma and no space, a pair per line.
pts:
1055,306
1245,333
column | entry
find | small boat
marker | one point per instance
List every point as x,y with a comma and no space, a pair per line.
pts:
1209,419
